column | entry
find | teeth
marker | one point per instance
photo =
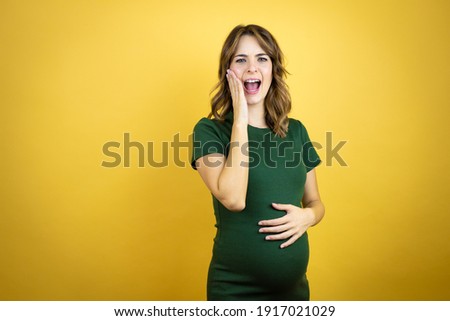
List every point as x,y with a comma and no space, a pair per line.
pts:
252,80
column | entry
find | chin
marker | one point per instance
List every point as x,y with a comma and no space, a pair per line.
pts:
252,103
254,100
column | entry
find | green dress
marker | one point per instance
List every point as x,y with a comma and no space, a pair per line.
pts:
245,266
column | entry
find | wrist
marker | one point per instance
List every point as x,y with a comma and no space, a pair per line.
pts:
241,123
309,212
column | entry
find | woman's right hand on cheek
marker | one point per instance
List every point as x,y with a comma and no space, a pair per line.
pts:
238,96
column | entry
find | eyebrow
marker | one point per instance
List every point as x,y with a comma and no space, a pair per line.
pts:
257,55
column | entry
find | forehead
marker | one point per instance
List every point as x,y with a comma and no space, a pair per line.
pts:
248,45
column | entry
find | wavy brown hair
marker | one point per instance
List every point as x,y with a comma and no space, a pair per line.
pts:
277,103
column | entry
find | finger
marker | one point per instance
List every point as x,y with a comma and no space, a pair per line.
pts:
275,229
238,84
233,75
230,78
274,222
290,241
282,207
281,236
230,81
232,86
238,81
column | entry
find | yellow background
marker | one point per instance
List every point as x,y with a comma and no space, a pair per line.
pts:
77,74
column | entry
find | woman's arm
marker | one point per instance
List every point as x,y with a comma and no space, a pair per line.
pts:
311,198
227,179
297,220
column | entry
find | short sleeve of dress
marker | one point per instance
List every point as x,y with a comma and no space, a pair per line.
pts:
206,140
309,154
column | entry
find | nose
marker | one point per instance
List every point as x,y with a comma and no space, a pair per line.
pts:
252,67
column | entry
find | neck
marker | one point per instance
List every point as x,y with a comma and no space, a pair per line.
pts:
256,116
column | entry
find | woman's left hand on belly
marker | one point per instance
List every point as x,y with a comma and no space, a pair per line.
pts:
290,226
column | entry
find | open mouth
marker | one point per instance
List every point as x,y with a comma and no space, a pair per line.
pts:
252,85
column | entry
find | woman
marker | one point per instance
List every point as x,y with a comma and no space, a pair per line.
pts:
259,166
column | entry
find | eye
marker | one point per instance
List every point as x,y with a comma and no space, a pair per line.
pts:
262,59
240,60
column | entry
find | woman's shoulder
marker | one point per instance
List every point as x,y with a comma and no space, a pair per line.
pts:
295,124
298,128
207,128
206,122
215,124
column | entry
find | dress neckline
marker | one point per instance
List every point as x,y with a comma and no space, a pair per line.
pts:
229,116
258,128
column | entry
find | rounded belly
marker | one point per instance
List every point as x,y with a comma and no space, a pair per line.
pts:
247,253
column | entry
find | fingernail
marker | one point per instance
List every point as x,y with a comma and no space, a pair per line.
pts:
282,246
260,230
267,237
